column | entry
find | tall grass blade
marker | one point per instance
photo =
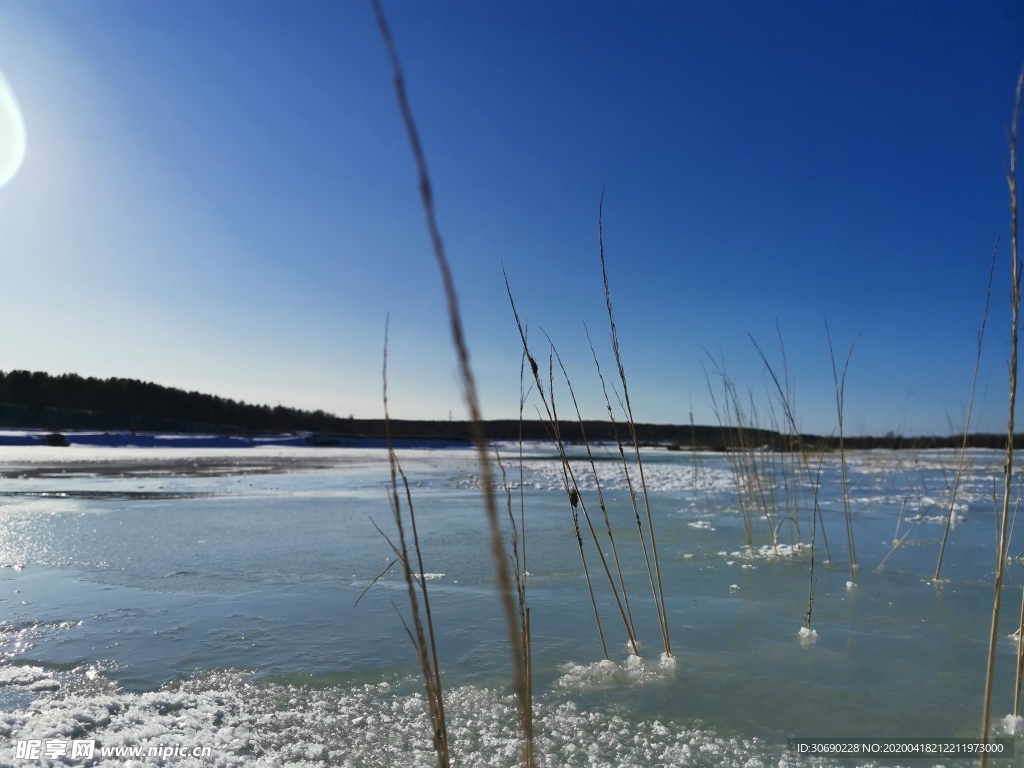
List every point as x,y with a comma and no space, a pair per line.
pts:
786,401
503,579
732,422
1020,660
553,430
970,410
575,500
840,384
1015,274
627,615
428,664
662,612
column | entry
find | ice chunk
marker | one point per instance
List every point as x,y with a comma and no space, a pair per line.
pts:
1013,726
607,674
25,676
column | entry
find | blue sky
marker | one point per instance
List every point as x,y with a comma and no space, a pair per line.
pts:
220,196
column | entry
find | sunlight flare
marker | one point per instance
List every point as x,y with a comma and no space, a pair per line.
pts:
12,133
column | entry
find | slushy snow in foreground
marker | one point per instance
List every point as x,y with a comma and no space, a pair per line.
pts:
262,724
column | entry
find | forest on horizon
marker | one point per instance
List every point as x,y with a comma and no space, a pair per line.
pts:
38,400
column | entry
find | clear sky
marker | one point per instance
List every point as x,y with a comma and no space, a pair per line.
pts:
220,196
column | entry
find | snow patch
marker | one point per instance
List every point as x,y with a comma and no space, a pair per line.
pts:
702,525
33,678
634,671
769,552
936,519
1012,726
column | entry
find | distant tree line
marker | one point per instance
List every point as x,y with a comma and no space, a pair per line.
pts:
68,402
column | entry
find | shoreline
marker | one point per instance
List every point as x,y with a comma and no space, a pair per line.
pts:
14,437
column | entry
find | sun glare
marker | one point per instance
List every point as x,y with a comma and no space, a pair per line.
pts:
12,133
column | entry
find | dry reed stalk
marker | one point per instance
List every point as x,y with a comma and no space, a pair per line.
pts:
756,478
575,499
1016,505
627,615
923,512
790,489
785,400
814,530
743,455
732,457
517,571
662,612
899,542
428,664
524,610
524,394
519,564
625,470
1015,273
899,520
740,461
503,579
1020,660
840,384
970,410
763,476
553,430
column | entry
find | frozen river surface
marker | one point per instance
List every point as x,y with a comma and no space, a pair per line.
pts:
181,599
